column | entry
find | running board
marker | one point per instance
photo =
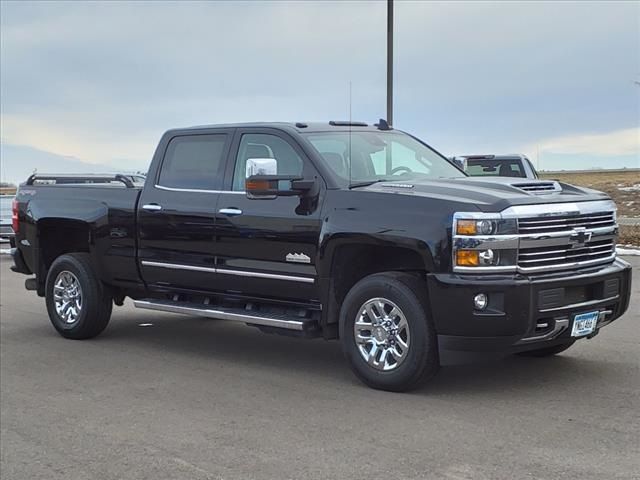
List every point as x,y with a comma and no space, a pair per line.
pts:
287,322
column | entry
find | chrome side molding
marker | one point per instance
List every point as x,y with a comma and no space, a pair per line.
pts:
221,313
226,271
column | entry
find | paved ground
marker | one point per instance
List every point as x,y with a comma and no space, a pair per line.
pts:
188,398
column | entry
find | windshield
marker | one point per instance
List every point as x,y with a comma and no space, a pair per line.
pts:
377,156
496,168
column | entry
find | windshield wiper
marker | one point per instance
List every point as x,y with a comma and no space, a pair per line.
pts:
366,184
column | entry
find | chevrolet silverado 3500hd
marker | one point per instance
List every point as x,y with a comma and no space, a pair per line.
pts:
341,230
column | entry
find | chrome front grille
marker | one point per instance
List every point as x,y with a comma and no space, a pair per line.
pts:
567,255
565,222
565,240
535,239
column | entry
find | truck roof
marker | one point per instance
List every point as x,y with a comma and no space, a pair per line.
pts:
507,156
333,125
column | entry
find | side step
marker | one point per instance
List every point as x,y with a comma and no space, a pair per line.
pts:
288,322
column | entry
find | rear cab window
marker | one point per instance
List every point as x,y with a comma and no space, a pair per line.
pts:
194,162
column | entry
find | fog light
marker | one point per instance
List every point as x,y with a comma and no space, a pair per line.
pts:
480,301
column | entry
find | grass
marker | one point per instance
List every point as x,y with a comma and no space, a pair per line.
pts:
628,201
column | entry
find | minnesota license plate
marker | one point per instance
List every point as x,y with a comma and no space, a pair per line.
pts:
584,324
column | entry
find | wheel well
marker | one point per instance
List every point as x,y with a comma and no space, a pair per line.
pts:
352,263
57,237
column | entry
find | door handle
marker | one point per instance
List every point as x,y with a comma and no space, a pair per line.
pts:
232,212
152,207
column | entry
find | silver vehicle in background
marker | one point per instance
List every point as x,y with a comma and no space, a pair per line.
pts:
515,165
6,230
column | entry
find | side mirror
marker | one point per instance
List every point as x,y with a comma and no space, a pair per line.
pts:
263,182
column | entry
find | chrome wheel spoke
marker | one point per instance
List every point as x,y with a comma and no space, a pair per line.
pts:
360,325
383,356
404,345
373,353
395,313
395,353
374,317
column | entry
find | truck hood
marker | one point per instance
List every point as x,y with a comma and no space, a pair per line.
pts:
491,194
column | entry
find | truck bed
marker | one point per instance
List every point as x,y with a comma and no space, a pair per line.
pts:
103,206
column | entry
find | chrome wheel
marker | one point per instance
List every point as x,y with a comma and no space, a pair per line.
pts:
67,295
382,334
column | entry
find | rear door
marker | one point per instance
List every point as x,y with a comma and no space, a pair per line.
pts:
176,214
267,248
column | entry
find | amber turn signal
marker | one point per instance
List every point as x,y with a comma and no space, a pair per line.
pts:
466,227
467,258
252,185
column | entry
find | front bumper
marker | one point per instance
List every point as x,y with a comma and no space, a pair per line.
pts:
524,312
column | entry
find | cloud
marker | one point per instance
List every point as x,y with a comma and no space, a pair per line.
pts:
102,80
620,142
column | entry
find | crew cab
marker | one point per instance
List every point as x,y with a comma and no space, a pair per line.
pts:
340,230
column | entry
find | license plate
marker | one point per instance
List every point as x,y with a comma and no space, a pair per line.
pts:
584,324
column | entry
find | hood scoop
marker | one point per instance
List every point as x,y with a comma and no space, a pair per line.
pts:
539,188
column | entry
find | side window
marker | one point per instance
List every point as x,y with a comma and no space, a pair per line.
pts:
193,162
261,145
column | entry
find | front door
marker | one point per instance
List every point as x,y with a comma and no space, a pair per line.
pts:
177,212
267,248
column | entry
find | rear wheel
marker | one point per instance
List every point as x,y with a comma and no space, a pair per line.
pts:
386,333
547,352
78,304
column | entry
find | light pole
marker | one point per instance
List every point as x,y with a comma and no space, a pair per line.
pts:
390,62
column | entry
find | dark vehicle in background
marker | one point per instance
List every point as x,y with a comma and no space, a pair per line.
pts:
517,166
6,230
340,230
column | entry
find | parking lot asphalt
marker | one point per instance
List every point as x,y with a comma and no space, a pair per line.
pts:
191,398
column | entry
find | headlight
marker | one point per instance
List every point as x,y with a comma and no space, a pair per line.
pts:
475,227
484,242
484,226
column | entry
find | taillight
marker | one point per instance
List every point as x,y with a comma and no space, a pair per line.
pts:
15,224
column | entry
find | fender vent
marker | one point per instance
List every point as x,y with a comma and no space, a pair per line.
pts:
539,188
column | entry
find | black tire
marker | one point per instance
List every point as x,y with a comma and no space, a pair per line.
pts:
96,304
408,293
547,352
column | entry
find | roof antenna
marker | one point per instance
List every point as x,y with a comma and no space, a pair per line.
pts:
350,161
383,125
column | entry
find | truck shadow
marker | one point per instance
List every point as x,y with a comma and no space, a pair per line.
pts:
222,343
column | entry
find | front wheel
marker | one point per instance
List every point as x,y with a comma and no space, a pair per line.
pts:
386,333
78,304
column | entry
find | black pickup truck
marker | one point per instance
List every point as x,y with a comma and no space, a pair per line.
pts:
339,230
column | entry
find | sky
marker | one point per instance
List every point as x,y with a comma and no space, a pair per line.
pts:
99,82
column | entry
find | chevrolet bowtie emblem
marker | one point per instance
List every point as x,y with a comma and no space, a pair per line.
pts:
579,237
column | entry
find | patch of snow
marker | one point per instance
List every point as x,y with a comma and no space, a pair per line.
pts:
632,188
5,251
629,250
